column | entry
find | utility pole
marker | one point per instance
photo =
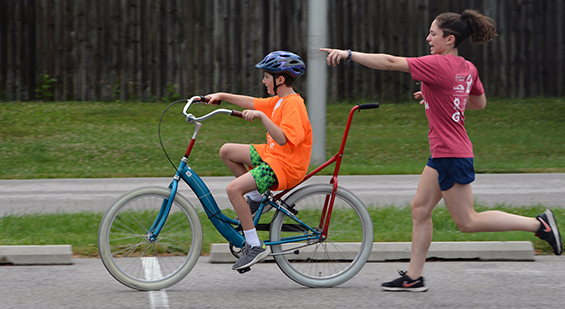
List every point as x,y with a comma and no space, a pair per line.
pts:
317,76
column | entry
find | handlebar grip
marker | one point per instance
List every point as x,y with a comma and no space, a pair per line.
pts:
369,106
237,113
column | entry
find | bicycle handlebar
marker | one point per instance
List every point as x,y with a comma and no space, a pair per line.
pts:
235,113
195,99
203,99
368,105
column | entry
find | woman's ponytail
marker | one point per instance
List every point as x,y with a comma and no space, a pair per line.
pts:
483,28
471,23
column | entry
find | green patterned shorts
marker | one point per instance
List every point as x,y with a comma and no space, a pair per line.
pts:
263,174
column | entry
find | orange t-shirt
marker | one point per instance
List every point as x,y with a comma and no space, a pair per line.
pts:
289,162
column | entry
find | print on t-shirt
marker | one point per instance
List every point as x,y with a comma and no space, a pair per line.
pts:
461,93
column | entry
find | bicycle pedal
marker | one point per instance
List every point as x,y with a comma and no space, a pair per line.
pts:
243,270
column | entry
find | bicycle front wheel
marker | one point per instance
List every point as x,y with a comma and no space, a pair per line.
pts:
139,261
329,262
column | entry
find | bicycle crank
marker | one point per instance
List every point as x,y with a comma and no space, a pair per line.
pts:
297,252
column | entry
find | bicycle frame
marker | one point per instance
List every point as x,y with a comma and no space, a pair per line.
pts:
337,158
222,222
225,224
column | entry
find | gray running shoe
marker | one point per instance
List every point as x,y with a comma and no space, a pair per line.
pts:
250,256
549,231
254,206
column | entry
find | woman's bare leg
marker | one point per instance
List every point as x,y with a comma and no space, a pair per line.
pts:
459,202
427,197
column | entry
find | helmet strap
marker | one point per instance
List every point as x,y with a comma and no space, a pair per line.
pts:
275,86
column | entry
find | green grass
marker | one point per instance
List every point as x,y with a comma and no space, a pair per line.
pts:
391,224
94,140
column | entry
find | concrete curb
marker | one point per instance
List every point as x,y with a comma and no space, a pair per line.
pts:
36,255
382,252
398,251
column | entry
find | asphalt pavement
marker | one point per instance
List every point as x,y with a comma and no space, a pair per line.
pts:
457,284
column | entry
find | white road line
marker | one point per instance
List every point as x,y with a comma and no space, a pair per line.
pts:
157,299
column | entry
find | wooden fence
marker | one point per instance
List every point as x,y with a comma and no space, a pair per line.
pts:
150,49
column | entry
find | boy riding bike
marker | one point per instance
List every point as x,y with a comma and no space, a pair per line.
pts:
279,164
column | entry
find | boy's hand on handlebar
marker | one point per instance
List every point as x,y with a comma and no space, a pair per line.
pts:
214,99
249,114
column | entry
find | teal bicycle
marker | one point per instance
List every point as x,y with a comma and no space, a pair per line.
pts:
320,235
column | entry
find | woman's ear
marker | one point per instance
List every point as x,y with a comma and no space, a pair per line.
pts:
450,39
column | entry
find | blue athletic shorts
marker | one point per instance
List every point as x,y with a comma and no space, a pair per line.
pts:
453,170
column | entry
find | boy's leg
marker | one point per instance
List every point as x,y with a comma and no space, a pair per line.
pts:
236,157
235,190
254,250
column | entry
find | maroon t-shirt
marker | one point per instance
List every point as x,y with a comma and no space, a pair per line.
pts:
447,82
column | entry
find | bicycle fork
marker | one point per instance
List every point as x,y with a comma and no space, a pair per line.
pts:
159,222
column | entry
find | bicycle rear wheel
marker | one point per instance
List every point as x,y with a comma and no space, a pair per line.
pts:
132,257
332,261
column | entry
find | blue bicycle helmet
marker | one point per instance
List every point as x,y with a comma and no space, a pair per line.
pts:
283,62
